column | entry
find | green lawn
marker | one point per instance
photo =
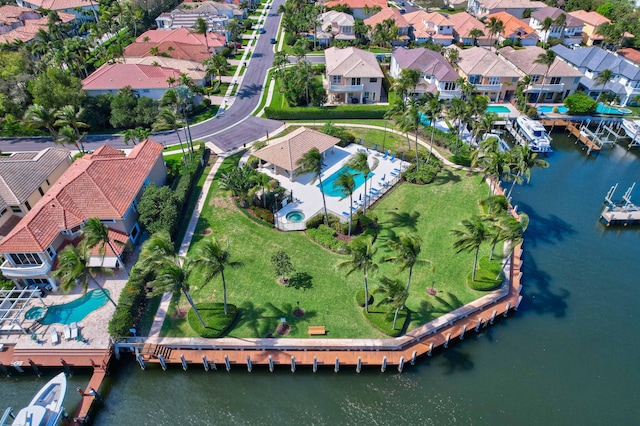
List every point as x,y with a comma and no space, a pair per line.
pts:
327,295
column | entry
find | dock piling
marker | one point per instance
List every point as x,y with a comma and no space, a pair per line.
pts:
66,367
249,367
4,370
293,364
518,303
479,324
35,367
270,363
359,365
447,339
205,363
163,364
464,328
493,315
184,362
383,366
430,349
337,366
140,361
226,363
506,309
315,364
401,364
414,355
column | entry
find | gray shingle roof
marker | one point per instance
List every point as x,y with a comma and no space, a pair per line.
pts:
597,59
426,61
22,173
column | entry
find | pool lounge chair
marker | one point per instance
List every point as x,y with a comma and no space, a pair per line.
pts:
393,158
346,214
66,332
54,336
74,330
386,154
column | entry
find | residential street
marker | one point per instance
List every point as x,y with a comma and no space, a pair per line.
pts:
227,131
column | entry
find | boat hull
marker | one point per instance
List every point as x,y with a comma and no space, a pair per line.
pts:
45,408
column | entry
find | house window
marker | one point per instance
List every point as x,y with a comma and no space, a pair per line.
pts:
51,252
494,80
27,205
548,96
40,191
475,79
37,281
25,259
336,79
107,221
16,209
3,212
373,80
134,232
555,80
356,81
373,96
449,85
535,79
47,180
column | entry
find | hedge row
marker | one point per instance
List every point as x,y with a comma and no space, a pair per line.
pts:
323,113
185,182
132,300
326,237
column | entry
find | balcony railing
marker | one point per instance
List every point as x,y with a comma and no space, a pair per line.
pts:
344,89
450,94
546,87
489,87
10,271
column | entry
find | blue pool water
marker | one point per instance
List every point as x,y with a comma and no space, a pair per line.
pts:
328,184
603,109
498,109
545,109
76,310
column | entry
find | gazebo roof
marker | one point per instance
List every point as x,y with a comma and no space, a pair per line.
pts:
285,152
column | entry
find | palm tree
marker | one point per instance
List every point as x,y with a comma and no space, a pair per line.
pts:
155,251
96,234
495,27
522,160
393,295
213,256
547,59
201,27
67,116
471,238
362,251
39,117
311,162
346,184
360,162
602,79
262,181
475,34
546,25
457,113
432,109
168,119
407,248
217,65
484,125
73,269
406,84
67,136
561,22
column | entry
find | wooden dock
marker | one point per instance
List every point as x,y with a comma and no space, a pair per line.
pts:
620,215
576,131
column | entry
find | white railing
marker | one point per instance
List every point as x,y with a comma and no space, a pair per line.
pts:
10,271
546,87
489,87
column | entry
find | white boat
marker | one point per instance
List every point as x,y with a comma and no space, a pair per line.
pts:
45,408
632,127
535,133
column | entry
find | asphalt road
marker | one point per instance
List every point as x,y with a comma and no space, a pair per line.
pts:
230,130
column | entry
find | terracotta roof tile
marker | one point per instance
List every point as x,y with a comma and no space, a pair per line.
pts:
512,25
117,76
358,4
388,13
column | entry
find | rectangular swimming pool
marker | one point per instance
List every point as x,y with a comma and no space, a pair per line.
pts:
498,109
328,185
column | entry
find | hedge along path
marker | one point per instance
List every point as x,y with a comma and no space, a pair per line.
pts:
163,308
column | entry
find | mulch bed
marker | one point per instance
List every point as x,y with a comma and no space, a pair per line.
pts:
298,313
283,329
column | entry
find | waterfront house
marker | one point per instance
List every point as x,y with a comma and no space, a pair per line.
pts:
456,4
433,27
81,9
181,43
334,25
393,14
462,24
492,75
630,54
215,14
436,74
570,32
146,80
194,70
21,24
106,184
361,9
352,76
24,179
561,81
516,8
590,61
515,30
591,21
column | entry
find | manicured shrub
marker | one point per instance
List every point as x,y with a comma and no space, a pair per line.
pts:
315,221
262,213
333,112
253,161
383,320
130,304
360,298
326,237
217,323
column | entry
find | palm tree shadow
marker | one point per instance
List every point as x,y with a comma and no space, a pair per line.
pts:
249,315
407,220
301,280
548,230
538,294
455,360
249,90
446,176
448,301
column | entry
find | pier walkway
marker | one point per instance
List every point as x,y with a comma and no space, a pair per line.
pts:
579,133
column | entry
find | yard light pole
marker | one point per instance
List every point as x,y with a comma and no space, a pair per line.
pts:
384,137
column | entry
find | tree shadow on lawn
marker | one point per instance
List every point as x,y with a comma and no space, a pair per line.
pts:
435,306
301,280
407,220
263,321
445,177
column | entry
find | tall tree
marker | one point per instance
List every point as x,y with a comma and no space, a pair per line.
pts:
458,112
360,162
547,59
393,294
168,119
362,252
96,234
545,27
346,184
495,27
201,27
68,116
475,232
407,248
73,269
311,162
601,80
213,257
475,34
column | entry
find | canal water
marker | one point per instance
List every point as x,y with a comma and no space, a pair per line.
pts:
568,356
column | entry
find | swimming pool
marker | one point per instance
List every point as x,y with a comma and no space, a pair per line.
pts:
328,185
603,109
498,109
546,109
74,311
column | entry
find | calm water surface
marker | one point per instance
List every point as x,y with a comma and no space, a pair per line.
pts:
569,356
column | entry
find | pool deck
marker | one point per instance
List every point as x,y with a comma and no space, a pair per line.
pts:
306,194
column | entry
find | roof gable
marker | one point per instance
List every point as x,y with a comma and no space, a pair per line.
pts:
351,62
388,13
427,61
117,76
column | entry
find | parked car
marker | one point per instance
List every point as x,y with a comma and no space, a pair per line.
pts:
262,31
273,40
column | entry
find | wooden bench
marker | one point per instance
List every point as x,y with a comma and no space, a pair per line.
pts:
315,330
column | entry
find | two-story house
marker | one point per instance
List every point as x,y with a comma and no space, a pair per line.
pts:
353,76
21,24
482,8
106,184
463,25
24,179
561,79
591,21
569,31
181,43
393,14
361,9
492,75
515,29
215,14
591,61
334,25
437,76
81,9
433,27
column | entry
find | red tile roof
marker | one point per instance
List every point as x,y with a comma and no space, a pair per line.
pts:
60,4
388,13
102,184
512,25
30,28
358,4
630,54
175,50
117,76
181,35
